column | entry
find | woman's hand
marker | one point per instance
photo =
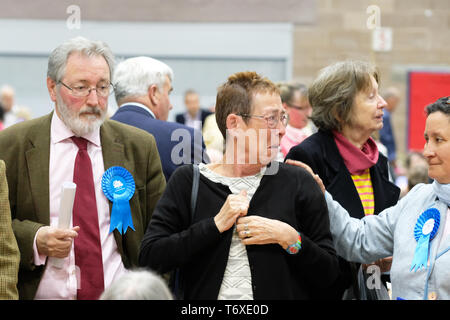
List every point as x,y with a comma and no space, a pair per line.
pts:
235,206
307,168
384,264
260,230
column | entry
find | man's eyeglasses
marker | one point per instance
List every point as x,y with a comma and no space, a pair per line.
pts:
103,90
272,120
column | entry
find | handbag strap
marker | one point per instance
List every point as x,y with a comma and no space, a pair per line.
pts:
195,182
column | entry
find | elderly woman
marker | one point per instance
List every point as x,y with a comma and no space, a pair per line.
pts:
347,109
260,229
416,231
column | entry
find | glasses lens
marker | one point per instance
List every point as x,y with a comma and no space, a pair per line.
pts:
272,121
285,119
104,90
80,91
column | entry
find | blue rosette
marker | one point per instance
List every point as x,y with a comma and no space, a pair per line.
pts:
118,186
425,229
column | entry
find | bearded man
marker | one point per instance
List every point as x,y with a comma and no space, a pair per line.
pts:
75,143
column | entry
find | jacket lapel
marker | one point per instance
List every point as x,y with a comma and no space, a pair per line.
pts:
340,185
386,194
113,150
38,159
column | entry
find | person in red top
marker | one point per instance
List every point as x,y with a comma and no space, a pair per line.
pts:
295,102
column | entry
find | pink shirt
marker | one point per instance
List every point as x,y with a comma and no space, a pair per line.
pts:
293,137
62,283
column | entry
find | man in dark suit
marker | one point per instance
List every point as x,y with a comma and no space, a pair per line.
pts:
142,88
194,116
75,142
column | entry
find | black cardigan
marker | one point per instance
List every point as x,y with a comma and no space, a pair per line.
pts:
321,153
291,196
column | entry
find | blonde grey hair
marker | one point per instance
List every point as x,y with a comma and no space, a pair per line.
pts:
134,76
58,58
139,284
287,91
332,93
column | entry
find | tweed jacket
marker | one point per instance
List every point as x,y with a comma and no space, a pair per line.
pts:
9,252
391,233
25,147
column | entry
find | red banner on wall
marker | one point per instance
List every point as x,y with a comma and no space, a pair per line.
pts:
423,88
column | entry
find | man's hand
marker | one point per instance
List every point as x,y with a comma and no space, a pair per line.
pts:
55,242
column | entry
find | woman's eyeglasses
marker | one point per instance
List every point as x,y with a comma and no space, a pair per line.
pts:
272,120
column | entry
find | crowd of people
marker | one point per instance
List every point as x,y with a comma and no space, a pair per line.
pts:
295,201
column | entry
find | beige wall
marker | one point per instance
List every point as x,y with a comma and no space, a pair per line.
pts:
341,33
325,30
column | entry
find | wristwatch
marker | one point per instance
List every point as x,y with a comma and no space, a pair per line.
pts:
295,247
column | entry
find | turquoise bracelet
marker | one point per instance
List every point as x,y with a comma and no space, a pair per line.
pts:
294,248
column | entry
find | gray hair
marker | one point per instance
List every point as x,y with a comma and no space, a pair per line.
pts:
390,92
134,76
58,58
287,91
138,284
332,93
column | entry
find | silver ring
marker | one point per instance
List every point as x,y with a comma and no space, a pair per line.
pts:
246,226
247,233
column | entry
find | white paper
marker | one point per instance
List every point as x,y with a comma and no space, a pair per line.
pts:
65,214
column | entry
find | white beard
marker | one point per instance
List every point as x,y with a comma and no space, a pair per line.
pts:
74,122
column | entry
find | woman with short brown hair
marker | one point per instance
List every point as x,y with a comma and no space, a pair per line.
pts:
260,228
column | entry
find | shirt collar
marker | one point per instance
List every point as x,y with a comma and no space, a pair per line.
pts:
189,117
140,105
60,132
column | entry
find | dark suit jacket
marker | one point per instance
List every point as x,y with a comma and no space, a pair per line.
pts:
320,152
163,132
25,148
180,117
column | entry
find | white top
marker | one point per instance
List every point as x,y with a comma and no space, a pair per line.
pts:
193,122
237,279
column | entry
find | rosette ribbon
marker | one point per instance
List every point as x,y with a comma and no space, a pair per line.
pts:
425,229
118,186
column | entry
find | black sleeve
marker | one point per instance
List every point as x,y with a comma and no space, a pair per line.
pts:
317,255
171,240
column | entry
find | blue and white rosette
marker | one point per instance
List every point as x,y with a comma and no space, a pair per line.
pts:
118,186
425,229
